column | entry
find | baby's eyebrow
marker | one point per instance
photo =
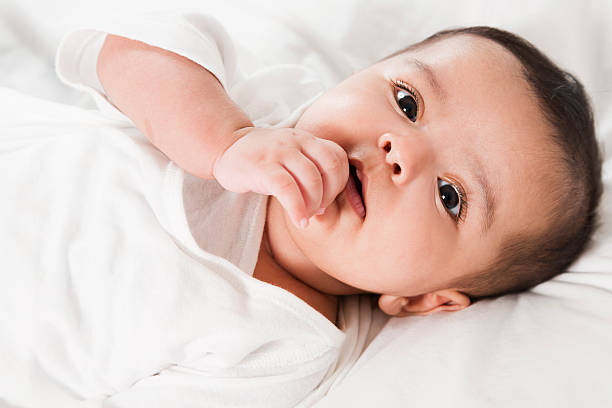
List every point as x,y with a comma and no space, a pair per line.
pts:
489,197
486,192
429,72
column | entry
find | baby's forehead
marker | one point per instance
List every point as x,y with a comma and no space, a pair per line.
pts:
465,67
480,51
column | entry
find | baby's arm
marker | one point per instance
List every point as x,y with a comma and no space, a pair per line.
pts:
172,100
185,112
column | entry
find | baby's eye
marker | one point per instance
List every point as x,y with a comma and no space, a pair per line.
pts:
407,100
451,197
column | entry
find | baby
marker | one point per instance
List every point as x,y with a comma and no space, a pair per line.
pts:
462,167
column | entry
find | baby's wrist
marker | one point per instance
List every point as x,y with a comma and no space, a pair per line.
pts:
228,142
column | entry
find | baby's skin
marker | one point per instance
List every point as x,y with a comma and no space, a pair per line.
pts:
305,173
420,129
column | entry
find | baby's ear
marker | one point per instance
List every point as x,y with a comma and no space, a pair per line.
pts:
448,300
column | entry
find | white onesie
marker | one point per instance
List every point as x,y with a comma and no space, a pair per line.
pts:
127,282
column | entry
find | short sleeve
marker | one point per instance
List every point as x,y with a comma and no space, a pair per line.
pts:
198,37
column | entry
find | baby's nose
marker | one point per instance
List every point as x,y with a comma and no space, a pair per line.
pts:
406,155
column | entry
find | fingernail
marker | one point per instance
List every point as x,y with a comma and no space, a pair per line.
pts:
320,211
304,222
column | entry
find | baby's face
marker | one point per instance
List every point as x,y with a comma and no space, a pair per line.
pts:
452,152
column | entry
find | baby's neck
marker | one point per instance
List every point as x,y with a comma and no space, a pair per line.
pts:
269,271
274,271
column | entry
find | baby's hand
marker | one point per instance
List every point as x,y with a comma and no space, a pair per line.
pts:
305,173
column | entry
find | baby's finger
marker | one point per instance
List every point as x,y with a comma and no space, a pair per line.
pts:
332,162
280,183
308,178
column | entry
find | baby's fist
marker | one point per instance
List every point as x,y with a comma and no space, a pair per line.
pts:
305,173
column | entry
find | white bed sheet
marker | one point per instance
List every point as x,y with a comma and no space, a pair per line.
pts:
547,347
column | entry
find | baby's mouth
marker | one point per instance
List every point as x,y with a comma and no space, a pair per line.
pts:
353,172
354,192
